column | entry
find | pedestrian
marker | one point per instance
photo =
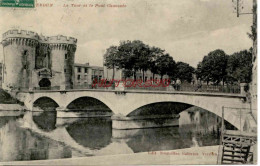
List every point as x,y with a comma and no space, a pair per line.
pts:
199,85
178,84
173,84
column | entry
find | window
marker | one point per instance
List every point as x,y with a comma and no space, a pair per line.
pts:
86,70
78,77
79,69
24,61
66,56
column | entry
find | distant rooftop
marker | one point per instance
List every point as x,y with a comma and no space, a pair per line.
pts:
97,67
81,65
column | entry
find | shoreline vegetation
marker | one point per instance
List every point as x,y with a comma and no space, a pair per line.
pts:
6,98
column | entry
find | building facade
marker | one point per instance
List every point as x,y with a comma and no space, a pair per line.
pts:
121,74
97,73
32,61
86,74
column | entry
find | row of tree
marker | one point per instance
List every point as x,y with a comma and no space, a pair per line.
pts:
133,56
216,67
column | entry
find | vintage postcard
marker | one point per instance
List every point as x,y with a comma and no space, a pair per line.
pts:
128,82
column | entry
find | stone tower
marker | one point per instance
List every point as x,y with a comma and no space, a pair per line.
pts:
19,58
37,62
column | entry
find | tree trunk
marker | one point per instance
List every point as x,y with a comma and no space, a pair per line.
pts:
113,75
134,75
143,75
153,77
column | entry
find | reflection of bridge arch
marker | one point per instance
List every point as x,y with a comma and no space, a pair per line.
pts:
128,101
94,133
58,134
64,134
45,121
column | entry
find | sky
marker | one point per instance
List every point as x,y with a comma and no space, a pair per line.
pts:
186,29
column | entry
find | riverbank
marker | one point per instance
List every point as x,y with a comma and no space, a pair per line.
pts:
10,106
195,155
8,103
6,98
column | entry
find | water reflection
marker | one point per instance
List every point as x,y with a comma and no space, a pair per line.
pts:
94,133
17,143
37,136
45,120
158,139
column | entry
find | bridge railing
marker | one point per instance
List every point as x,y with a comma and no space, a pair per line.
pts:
192,88
89,87
210,88
160,88
185,88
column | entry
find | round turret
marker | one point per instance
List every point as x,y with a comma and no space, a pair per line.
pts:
19,57
63,52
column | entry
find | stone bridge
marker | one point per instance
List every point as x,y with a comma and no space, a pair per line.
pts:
122,103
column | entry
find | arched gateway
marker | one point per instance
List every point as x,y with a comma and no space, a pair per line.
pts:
45,83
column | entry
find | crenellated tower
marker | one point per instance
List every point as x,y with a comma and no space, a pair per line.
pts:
19,56
32,61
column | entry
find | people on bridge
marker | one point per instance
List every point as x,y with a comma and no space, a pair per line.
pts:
172,87
178,84
199,85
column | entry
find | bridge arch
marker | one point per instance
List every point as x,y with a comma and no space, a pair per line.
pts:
212,103
88,103
46,103
172,108
160,108
64,99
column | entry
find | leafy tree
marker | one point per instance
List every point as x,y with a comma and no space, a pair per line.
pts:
184,71
198,71
214,67
132,56
111,58
166,65
127,73
142,56
240,67
127,59
155,54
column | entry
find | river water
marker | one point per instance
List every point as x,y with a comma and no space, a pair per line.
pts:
40,136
